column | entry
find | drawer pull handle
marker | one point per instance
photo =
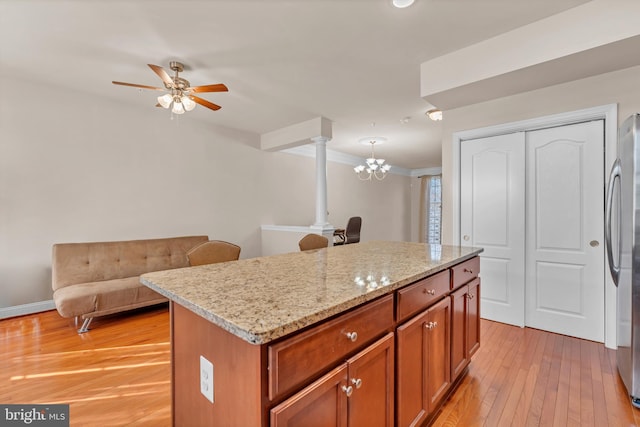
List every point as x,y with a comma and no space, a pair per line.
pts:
357,382
353,336
430,291
466,270
348,390
431,325
470,296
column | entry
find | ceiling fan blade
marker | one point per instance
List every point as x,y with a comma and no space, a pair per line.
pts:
138,86
209,88
162,74
205,103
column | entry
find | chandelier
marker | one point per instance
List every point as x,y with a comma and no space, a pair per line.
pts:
373,168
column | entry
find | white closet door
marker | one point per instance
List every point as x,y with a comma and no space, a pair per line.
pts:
565,230
492,215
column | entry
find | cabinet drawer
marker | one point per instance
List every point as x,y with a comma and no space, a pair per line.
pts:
465,272
421,294
297,359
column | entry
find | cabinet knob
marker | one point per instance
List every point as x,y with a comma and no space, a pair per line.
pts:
430,325
348,390
466,270
353,336
470,296
357,382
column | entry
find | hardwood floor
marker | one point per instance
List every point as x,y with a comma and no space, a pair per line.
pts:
116,374
528,377
119,374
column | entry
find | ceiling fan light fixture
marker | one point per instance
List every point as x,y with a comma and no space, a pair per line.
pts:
188,103
401,4
165,100
180,92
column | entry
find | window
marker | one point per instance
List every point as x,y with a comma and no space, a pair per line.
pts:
431,209
435,210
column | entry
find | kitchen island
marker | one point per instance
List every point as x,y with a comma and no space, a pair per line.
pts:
373,333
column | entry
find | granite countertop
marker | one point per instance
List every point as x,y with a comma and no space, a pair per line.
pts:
261,299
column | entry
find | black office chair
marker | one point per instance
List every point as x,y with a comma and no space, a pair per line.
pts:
351,234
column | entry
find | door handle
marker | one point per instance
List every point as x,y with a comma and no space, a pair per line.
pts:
613,267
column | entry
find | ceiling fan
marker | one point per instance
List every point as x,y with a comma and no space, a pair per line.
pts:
180,91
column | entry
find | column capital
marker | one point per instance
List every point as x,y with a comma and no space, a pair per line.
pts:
320,139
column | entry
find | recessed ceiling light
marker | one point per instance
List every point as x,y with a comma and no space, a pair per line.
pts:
402,3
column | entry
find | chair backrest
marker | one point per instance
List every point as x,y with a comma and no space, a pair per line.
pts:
313,241
353,229
212,252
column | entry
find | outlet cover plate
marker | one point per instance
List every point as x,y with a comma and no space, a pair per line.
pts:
206,378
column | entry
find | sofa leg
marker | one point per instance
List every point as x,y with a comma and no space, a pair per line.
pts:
85,325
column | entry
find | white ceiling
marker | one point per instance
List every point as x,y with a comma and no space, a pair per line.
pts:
355,62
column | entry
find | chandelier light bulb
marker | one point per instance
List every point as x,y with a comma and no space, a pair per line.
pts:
177,107
165,100
188,103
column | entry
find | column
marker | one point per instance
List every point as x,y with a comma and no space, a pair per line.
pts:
321,224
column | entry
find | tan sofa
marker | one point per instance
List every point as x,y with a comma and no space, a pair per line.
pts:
99,278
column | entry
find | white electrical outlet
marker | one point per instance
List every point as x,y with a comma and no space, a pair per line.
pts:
206,378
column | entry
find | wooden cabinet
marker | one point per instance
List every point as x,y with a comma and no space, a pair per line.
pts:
465,325
423,363
387,362
358,393
414,298
295,361
465,272
473,311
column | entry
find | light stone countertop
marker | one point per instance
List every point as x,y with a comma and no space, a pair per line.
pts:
261,299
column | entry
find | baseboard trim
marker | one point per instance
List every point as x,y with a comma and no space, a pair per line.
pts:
21,310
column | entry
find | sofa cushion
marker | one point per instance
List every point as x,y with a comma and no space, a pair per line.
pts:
104,297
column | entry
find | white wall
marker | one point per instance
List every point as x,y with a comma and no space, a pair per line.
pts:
619,87
78,168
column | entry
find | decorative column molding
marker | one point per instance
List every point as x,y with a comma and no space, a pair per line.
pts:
321,224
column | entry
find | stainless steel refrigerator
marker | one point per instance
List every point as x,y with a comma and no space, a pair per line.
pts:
623,251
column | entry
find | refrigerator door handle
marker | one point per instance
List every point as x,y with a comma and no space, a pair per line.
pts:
613,177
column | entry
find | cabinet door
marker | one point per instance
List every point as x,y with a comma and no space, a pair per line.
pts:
459,333
438,331
412,404
321,404
473,318
371,374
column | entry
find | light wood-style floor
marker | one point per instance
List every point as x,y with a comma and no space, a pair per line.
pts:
119,374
